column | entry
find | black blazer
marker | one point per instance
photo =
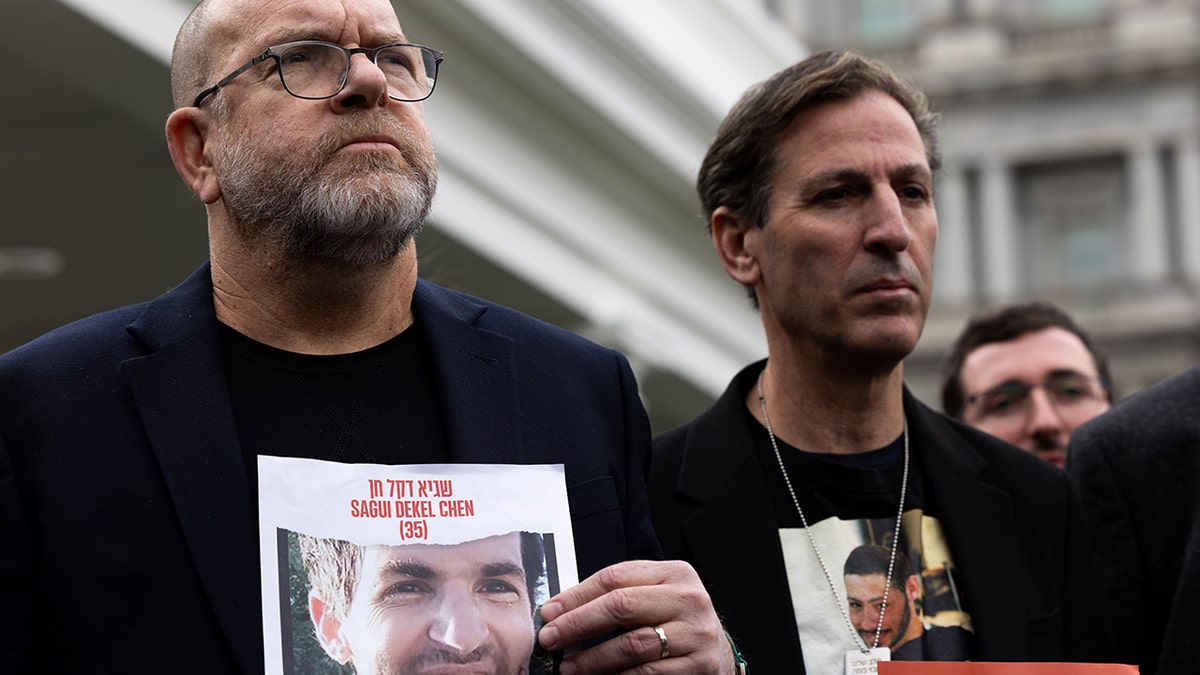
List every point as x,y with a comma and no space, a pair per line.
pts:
1138,471
1011,521
128,535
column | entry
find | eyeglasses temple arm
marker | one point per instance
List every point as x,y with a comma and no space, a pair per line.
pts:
225,80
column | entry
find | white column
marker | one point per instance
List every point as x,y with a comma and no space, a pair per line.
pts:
998,232
1188,204
953,263
1148,227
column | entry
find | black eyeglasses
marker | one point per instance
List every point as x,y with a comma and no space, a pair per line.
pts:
314,69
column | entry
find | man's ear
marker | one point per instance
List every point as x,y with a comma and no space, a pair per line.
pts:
737,241
913,588
328,628
187,139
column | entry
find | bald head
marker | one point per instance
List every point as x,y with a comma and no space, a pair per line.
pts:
216,30
191,58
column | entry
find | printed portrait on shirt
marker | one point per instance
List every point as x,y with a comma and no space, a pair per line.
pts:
925,618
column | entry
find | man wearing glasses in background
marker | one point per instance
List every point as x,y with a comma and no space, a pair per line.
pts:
1026,374
129,440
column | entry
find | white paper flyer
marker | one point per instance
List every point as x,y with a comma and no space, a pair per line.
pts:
369,568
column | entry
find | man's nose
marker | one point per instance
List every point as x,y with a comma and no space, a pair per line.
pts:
871,619
459,624
366,85
1043,418
888,225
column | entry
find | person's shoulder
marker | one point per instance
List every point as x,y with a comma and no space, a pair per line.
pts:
970,447
1157,419
97,340
722,424
983,441
666,456
947,429
671,441
83,341
492,316
947,631
1161,401
948,643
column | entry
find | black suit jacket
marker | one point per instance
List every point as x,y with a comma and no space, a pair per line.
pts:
1138,472
1010,518
128,535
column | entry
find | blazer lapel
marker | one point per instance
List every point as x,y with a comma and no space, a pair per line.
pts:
476,375
184,404
736,537
733,534
952,473
183,400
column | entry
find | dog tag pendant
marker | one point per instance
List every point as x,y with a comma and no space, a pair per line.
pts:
863,663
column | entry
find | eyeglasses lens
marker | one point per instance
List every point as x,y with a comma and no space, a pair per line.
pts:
1072,391
1068,393
318,70
410,71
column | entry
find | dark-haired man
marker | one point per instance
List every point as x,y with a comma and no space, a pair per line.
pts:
818,191
1027,374
891,610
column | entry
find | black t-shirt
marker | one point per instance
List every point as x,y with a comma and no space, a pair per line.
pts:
851,501
375,406
864,485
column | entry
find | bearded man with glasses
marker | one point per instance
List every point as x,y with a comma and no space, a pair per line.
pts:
129,440
1027,374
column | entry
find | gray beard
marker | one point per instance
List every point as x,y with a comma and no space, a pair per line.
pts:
356,210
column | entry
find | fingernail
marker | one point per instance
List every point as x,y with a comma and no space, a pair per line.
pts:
567,668
548,637
551,611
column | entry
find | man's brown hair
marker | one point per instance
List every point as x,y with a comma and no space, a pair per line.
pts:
742,159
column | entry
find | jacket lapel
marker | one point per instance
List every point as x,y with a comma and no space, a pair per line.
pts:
183,400
992,578
721,473
182,397
476,375
733,534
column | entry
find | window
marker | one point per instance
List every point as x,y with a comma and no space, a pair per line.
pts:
885,20
1071,10
846,23
1073,224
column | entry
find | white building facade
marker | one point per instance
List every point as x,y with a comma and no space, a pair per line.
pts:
568,132
1071,136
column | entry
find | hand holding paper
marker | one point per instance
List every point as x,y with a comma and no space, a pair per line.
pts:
661,607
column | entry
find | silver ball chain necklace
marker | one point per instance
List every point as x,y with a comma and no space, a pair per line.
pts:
866,656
